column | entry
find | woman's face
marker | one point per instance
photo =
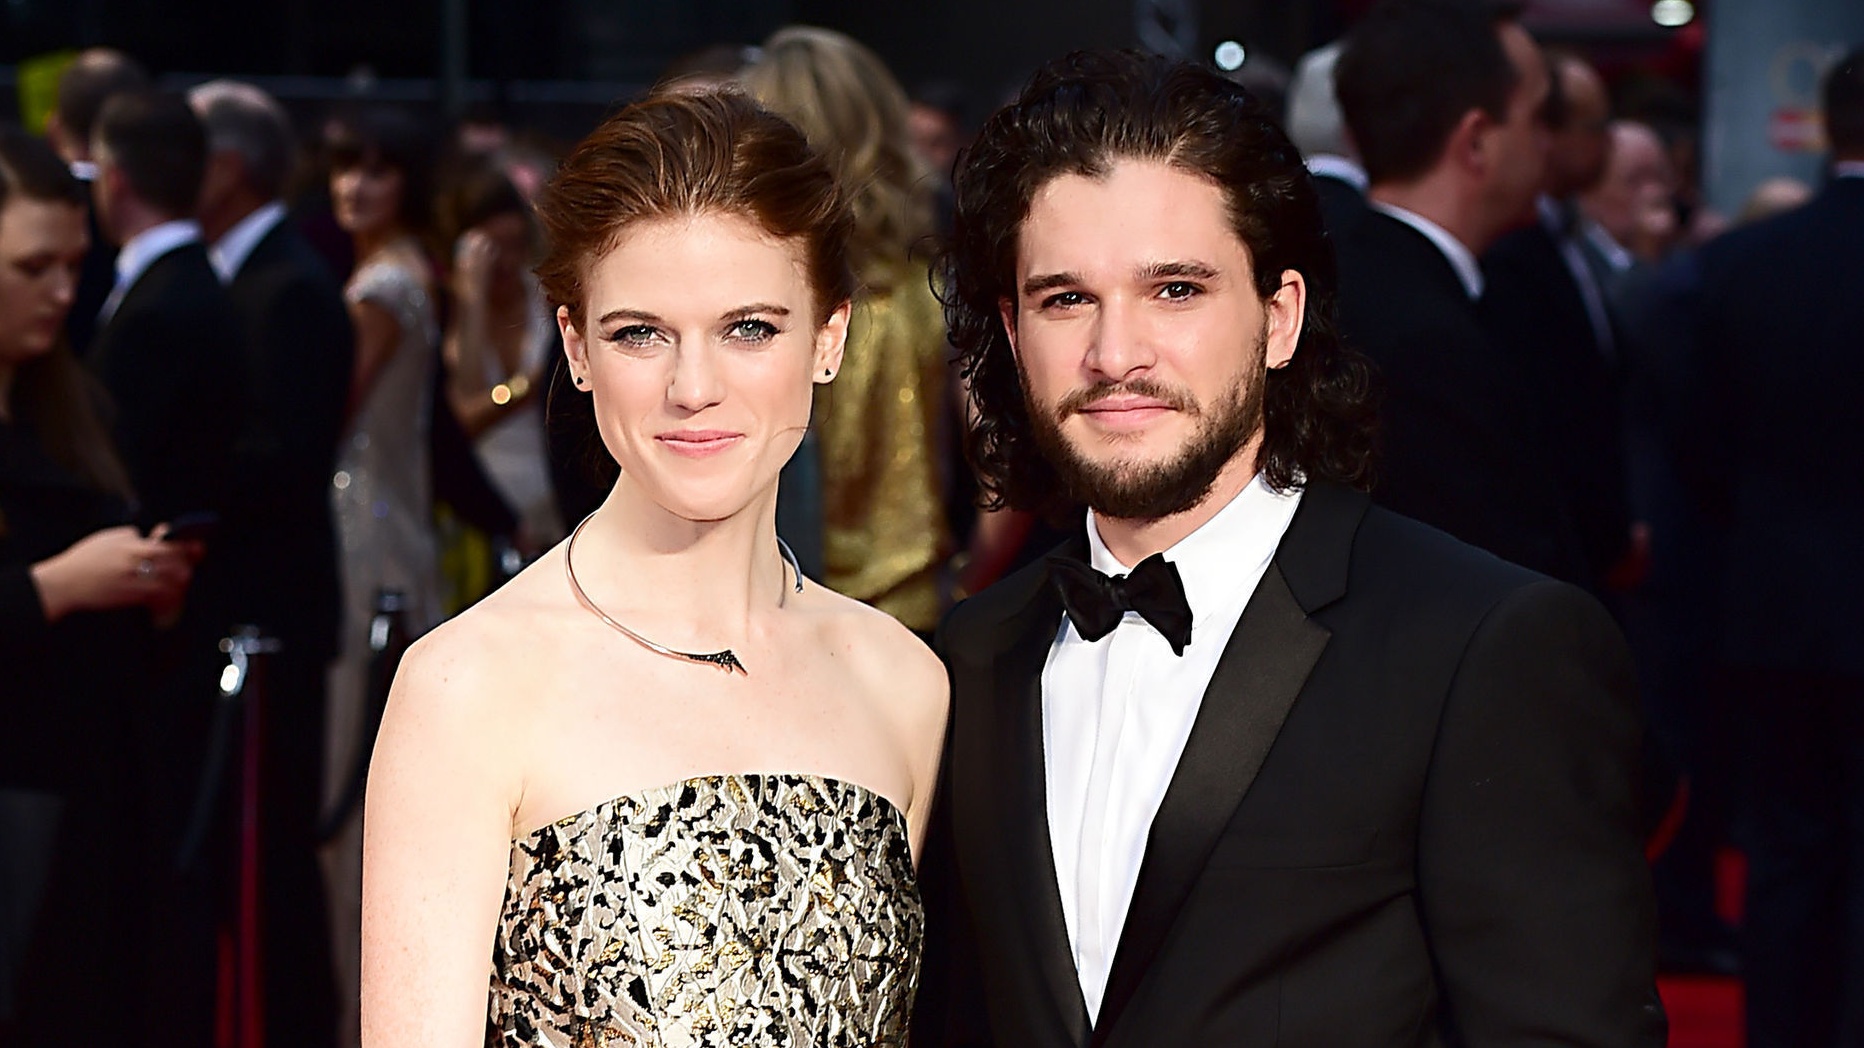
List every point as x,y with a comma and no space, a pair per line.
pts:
699,345
366,197
42,245
510,240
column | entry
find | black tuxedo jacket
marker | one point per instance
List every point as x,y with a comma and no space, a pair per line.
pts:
170,359
1404,816
1536,311
1766,429
299,351
1457,427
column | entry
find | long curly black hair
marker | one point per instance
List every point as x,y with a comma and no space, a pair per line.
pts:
1078,115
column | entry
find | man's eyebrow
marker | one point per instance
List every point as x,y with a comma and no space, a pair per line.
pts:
636,315
1187,268
1046,281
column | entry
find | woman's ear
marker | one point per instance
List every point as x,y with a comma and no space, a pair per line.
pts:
1286,309
830,340
575,348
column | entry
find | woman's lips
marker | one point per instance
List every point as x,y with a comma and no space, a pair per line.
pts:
699,443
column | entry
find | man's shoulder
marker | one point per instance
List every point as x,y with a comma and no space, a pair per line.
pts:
1410,568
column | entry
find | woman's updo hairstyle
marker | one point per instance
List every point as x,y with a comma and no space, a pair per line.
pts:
675,154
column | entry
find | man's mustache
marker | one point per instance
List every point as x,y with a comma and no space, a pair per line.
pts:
1082,399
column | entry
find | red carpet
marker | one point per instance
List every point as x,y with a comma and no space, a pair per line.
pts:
1705,1010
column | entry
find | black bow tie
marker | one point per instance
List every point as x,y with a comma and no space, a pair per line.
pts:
1096,602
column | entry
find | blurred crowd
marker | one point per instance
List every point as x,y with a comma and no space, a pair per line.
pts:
300,378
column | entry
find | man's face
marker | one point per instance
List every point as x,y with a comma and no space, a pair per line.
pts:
1519,162
1140,337
1576,156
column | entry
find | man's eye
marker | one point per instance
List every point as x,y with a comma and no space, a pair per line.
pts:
1178,290
752,331
1064,299
634,335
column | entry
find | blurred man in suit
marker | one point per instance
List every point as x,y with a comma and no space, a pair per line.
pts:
1443,100
1769,435
86,84
1545,303
1319,132
299,350
168,351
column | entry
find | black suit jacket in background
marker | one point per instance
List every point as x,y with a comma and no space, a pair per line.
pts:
299,351
1341,204
1536,311
1765,429
1404,816
170,358
1457,422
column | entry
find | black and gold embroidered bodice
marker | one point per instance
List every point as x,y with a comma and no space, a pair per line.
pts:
726,910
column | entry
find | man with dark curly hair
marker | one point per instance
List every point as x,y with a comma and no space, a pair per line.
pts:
1251,761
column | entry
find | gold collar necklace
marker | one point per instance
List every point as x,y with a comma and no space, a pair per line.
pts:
724,660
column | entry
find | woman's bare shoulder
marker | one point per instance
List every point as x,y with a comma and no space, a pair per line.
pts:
888,659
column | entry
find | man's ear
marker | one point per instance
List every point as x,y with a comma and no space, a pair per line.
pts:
1472,144
1006,311
831,339
1286,312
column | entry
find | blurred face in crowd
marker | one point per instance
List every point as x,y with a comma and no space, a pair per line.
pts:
1140,337
509,238
699,348
42,244
1576,157
1518,161
1633,199
366,197
935,137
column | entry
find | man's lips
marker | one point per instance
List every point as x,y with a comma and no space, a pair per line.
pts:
698,443
1125,412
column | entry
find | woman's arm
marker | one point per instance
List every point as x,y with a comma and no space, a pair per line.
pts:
378,335
436,846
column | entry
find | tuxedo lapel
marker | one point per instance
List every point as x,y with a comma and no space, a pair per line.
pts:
1019,784
1261,672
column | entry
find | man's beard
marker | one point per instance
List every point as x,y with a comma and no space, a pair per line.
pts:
1129,490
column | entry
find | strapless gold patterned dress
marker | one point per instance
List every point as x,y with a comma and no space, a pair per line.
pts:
723,910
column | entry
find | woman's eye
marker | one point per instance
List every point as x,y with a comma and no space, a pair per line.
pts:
634,335
1064,300
752,331
1178,290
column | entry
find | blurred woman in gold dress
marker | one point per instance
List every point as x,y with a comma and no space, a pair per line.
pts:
883,498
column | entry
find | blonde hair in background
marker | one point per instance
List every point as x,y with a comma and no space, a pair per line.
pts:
854,113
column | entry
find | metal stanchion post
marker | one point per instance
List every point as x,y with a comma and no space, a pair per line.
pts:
243,691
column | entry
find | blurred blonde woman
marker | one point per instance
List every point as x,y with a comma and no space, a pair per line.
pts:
884,526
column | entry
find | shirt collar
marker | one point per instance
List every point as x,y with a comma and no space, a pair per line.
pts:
1848,169
1217,560
1461,259
234,247
1332,165
84,170
1608,246
140,251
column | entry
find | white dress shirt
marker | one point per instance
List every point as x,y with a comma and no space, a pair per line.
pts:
140,252
1333,165
1848,169
235,246
1460,257
1116,714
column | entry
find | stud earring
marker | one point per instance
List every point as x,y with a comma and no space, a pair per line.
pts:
581,381
828,372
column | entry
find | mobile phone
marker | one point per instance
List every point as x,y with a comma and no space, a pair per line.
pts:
192,527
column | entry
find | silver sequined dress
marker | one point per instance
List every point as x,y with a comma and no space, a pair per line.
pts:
771,910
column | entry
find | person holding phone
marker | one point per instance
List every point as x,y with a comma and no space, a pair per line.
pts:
78,588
